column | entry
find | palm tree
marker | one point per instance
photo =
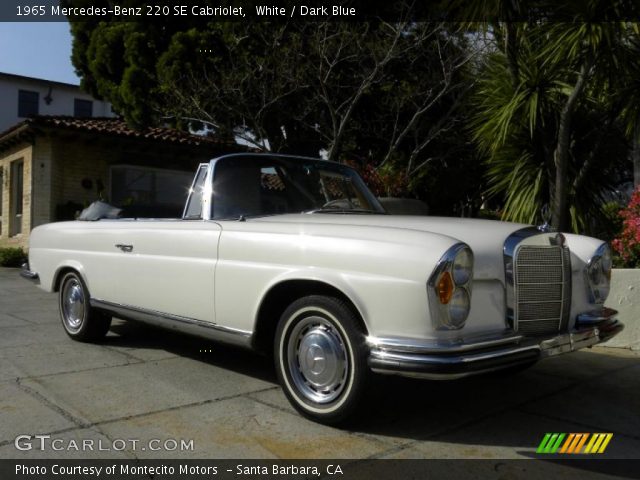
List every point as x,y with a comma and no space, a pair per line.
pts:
548,117
629,96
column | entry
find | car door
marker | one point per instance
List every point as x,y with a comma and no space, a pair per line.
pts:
169,267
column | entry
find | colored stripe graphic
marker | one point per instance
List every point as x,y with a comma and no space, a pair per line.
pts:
574,443
550,443
570,439
580,443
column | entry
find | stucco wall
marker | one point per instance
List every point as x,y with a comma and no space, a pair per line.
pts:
62,99
625,297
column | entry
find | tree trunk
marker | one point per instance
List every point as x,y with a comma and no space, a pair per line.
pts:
511,47
560,204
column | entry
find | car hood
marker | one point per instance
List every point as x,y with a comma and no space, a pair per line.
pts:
485,237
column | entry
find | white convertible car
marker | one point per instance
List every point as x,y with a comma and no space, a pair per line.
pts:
295,256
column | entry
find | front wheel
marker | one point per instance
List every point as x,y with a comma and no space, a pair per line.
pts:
81,321
321,358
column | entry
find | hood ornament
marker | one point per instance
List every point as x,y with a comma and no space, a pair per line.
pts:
545,213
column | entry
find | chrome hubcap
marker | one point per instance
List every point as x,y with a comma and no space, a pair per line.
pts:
73,307
317,359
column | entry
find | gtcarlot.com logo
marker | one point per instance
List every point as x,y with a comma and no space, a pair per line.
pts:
47,442
575,443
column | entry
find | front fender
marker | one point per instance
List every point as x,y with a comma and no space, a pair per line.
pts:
384,275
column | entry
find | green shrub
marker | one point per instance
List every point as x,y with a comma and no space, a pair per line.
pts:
12,257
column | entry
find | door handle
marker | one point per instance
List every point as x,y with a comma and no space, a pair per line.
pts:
124,248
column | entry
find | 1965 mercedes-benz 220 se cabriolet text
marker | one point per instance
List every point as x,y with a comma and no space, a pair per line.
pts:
296,256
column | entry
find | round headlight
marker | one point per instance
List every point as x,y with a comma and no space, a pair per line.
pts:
463,267
599,274
458,307
595,273
449,288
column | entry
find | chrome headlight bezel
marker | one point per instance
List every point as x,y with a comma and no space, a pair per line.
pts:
598,275
454,270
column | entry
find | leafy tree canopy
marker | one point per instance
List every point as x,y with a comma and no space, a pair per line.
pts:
554,113
386,93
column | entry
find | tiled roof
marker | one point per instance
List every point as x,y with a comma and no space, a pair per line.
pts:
118,127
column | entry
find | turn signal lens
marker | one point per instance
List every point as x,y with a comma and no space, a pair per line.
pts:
445,288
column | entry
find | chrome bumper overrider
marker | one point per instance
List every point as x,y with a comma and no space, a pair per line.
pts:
28,274
481,354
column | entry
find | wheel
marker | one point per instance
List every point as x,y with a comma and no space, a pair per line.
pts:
321,358
79,319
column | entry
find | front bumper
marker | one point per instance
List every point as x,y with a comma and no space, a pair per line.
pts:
482,354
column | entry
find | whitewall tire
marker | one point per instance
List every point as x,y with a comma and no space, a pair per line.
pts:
321,358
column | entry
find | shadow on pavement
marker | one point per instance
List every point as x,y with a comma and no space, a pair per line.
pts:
133,335
581,392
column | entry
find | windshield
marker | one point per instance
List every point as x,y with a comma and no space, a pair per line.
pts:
265,185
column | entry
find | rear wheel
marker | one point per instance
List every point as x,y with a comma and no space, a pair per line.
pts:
321,358
79,319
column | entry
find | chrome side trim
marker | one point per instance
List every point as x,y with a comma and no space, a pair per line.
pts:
25,272
186,325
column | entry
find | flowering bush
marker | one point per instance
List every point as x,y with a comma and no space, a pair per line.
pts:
627,244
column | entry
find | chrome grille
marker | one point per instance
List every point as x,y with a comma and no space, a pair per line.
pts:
542,283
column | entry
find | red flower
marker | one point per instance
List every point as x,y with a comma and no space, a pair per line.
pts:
627,245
